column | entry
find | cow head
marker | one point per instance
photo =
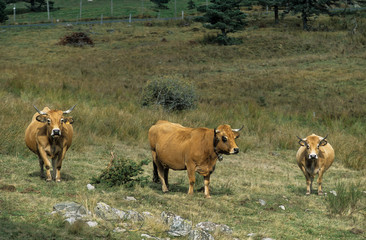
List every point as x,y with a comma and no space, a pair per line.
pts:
312,144
225,139
55,120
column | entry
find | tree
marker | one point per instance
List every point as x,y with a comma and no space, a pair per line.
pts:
3,16
224,15
191,5
275,4
309,8
160,4
35,5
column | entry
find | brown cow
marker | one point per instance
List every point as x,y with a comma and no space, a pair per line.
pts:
50,135
193,149
314,156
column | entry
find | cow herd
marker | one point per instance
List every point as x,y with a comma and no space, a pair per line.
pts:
173,146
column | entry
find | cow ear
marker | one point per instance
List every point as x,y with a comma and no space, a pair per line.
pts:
41,118
68,120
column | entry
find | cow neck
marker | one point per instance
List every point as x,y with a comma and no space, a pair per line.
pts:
215,142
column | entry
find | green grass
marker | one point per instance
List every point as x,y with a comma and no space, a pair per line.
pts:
273,84
69,10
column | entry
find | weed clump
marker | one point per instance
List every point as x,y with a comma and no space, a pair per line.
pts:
171,94
345,199
122,171
76,39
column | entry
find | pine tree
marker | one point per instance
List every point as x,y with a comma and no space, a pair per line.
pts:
224,15
191,5
309,8
274,4
160,4
3,16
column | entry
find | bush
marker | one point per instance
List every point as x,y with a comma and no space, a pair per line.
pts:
122,172
171,94
76,39
3,16
345,199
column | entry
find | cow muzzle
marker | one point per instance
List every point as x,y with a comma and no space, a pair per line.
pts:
313,156
235,151
56,132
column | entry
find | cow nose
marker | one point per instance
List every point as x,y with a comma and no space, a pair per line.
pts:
56,132
313,156
236,150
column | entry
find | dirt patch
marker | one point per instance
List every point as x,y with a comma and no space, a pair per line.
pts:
8,188
30,190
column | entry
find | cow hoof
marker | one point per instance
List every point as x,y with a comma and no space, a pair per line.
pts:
58,180
48,179
320,193
207,196
307,194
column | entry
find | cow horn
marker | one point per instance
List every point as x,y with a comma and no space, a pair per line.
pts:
323,140
40,112
302,140
237,130
325,137
69,111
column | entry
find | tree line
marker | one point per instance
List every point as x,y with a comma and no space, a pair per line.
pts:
226,15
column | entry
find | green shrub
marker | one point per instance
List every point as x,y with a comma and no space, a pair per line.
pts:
122,172
345,199
171,94
3,16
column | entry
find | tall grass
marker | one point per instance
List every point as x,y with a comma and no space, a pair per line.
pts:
280,83
345,198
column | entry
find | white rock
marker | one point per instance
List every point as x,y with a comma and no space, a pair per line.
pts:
92,223
282,207
262,202
90,187
130,199
70,220
333,192
251,235
119,230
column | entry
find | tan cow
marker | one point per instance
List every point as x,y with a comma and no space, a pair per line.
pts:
49,135
314,156
193,149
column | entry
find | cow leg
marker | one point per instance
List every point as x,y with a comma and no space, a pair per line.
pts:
43,157
319,181
308,181
54,168
166,173
160,169
41,164
58,164
155,173
207,183
191,178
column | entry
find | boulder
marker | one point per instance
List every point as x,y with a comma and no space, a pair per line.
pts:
178,226
106,212
133,216
214,227
200,235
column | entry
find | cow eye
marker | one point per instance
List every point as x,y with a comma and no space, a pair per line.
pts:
224,139
48,120
307,146
62,120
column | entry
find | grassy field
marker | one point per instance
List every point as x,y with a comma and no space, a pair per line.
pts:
281,82
69,10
